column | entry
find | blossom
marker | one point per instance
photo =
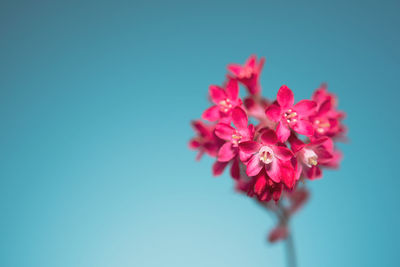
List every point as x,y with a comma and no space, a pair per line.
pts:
249,74
327,119
225,101
205,141
291,116
265,188
311,156
269,144
268,154
234,137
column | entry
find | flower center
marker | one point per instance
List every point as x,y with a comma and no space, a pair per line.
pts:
309,157
236,138
225,105
290,116
266,154
321,126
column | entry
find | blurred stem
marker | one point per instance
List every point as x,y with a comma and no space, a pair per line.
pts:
290,251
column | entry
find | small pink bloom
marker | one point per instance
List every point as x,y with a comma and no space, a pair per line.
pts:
265,188
310,157
249,73
205,141
276,159
327,119
225,101
290,116
234,137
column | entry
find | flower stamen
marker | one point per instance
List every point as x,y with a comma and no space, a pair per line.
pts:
266,154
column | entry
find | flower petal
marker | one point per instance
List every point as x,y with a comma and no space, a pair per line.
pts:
211,114
200,128
285,97
194,143
282,153
273,171
325,107
254,166
269,137
244,157
283,132
303,127
224,131
232,89
314,173
260,184
295,143
219,167
288,174
235,169
235,69
217,94
305,107
227,152
273,112
249,146
251,61
239,118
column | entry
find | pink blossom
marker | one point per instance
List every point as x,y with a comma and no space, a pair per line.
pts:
311,156
268,154
327,119
258,155
265,188
225,101
291,116
249,74
234,137
205,141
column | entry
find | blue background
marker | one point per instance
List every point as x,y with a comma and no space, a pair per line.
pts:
95,104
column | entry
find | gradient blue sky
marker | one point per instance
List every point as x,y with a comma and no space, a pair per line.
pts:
95,103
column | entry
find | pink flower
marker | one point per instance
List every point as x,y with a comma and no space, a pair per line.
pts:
268,154
310,157
249,74
291,116
234,137
265,188
205,141
327,119
225,101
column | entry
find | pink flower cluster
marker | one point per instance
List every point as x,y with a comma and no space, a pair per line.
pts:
270,145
